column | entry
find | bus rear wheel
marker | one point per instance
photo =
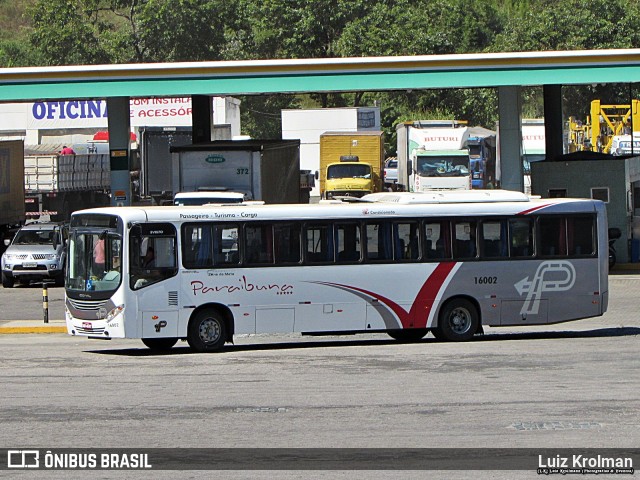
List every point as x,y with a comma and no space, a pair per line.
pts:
458,321
207,331
160,344
408,335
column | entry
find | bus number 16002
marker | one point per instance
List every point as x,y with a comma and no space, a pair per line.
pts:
486,280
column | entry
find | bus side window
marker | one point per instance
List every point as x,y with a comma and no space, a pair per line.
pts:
379,244
406,240
287,242
521,237
465,239
348,242
438,239
197,246
225,244
318,243
258,242
580,235
552,233
494,239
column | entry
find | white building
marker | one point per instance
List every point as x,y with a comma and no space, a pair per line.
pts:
308,125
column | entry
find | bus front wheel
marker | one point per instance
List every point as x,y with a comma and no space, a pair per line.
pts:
458,321
207,331
160,344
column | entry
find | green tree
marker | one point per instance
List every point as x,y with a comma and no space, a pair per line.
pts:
183,30
68,32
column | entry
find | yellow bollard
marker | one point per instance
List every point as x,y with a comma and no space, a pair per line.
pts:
45,302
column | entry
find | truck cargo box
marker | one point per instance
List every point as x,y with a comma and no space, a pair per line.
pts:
268,170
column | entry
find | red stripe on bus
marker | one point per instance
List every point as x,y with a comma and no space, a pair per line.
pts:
418,315
423,303
525,212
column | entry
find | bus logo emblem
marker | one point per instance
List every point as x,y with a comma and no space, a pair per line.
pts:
560,277
160,325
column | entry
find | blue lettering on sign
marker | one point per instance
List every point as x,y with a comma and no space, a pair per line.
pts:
51,109
72,112
74,109
38,110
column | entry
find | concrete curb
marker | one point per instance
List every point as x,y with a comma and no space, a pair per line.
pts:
32,326
32,329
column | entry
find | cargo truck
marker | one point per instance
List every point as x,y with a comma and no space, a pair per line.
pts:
433,155
351,163
12,214
56,185
267,170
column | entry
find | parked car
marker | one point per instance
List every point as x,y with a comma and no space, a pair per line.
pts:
36,253
391,172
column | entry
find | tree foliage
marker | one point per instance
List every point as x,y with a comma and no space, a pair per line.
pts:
59,32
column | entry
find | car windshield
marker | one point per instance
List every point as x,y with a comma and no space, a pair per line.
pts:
34,237
94,261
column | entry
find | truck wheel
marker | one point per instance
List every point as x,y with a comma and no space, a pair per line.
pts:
7,282
458,321
207,331
160,344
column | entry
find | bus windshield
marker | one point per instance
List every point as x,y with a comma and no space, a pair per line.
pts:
95,261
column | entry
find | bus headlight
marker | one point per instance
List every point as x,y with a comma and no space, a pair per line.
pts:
114,313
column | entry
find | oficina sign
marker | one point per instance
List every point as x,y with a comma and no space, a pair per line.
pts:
93,113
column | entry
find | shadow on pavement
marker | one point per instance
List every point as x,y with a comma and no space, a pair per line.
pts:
143,351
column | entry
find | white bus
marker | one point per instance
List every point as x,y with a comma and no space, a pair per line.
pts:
400,263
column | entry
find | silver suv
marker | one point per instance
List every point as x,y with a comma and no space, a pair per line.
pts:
37,252
391,172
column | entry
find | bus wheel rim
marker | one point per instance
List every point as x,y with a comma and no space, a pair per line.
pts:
460,320
209,330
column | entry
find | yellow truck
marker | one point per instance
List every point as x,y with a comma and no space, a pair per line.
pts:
351,163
